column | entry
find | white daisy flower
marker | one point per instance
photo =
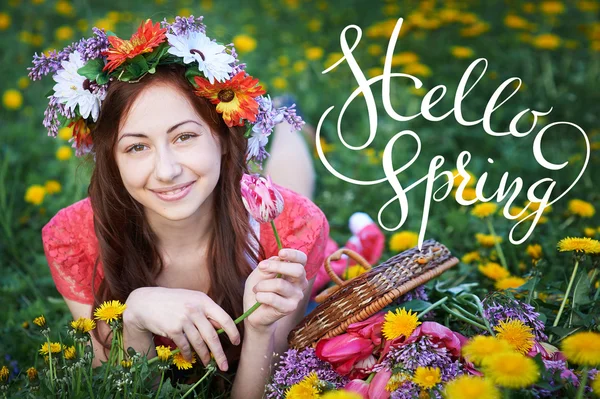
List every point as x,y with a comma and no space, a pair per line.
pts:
72,89
211,57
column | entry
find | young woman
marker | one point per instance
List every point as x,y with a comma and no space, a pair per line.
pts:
165,231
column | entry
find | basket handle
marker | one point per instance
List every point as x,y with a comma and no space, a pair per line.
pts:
337,255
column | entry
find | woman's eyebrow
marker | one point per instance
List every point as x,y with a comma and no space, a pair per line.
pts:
170,130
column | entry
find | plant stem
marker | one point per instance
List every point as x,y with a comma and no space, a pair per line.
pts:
463,318
431,307
497,244
162,378
582,383
370,378
208,372
564,301
276,235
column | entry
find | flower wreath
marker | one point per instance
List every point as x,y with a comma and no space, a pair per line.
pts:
83,71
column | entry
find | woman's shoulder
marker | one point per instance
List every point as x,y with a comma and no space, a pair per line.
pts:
71,247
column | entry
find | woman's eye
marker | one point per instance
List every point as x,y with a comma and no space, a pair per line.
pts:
136,148
185,137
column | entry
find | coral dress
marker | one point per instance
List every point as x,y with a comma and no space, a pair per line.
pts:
71,245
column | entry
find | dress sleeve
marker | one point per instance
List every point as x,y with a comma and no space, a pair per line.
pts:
302,226
70,246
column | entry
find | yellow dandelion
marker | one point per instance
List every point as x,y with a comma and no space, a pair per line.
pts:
494,271
458,178
23,82
354,271
4,21
35,194
516,22
314,53
484,210
12,99
468,193
403,58
552,7
40,321
64,33
181,363
487,240
509,283
589,231
596,385
374,50
163,353
32,373
518,334
69,352
305,389
577,244
63,7
581,208
396,381
511,370
534,250
471,387
582,348
4,374
110,311
461,52
403,240
279,82
481,347
83,325
400,323
534,206
471,257
427,377
54,347
341,394
244,43
52,187
417,69
546,41
64,153
126,363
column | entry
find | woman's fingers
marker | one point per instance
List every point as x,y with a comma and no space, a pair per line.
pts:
282,305
179,338
293,255
281,287
225,321
195,339
290,270
211,338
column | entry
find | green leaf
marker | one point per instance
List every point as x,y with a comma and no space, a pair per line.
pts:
110,33
103,78
191,73
92,69
581,293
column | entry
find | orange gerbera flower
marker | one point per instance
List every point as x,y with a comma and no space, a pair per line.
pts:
143,41
234,97
81,133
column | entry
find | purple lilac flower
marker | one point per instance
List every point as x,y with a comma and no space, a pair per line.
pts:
290,116
418,293
408,390
54,109
44,64
237,66
93,47
295,365
183,25
497,308
566,375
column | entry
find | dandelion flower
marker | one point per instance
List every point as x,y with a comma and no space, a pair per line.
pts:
396,381
494,271
577,244
487,240
341,394
126,363
403,240
181,363
581,208
484,210
163,353
471,387
83,325
481,347
52,187
4,374
110,311
305,389
516,333
12,99
509,282
596,385
32,373
54,347
35,194
401,323
40,321
534,250
427,377
69,352
582,348
511,370
470,257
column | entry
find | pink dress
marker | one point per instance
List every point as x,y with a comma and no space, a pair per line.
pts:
71,246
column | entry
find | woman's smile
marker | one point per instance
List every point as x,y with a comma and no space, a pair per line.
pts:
175,194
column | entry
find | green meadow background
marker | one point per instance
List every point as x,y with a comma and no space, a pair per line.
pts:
553,46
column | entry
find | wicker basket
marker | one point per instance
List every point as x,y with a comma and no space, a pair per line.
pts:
361,297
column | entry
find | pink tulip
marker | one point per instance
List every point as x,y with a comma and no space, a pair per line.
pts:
344,351
369,328
361,387
261,198
437,332
377,387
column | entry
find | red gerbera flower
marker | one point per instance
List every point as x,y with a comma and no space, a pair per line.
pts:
81,133
143,41
234,97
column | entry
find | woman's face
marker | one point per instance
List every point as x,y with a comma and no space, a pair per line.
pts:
167,156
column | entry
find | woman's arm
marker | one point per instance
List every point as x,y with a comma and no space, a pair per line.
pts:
254,368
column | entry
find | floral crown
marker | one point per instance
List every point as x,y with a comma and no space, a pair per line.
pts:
83,71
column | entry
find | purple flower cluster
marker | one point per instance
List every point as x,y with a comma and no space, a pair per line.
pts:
89,48
418,293
294,366
289,114
237,66
409,390
51,114
497,308
183,25
559,369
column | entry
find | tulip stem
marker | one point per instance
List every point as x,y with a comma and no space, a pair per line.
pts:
371,376
431,307
276,235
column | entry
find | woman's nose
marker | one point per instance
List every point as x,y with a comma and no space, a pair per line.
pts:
166,167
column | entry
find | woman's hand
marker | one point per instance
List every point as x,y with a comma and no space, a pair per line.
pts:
279,297
187,317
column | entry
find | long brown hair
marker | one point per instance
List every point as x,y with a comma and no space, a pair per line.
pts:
128,247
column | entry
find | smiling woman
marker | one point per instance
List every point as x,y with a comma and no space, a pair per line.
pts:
165,231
